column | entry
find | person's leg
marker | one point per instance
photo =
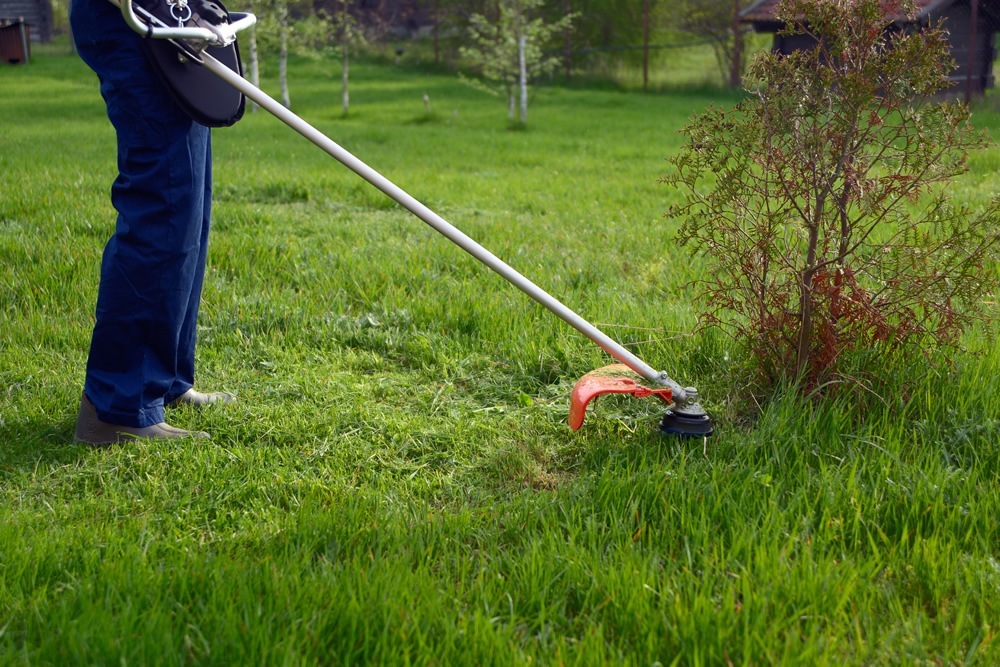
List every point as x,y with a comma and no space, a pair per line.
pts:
153,266
188,332
150,282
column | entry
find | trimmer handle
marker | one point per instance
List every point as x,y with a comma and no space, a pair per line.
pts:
149,26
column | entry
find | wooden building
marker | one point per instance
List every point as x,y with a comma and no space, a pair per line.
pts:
36,14
968,22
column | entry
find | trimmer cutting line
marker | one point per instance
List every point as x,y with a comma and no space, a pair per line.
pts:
196,45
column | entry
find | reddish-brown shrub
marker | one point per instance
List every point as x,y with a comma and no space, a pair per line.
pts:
819,204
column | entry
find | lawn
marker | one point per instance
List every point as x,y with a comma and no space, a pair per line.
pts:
397,484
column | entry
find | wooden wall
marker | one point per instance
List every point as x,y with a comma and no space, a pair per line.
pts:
36,13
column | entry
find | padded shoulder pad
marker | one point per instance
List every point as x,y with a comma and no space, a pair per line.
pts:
203,96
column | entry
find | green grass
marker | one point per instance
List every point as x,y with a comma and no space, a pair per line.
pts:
397,484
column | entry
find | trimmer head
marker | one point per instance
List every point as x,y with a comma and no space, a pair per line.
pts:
687,424
688,420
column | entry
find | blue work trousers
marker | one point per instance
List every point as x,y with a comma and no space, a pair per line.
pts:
142,350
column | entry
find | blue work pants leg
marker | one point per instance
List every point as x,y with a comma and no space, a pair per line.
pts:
142,349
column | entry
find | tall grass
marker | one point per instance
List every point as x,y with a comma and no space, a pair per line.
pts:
397,483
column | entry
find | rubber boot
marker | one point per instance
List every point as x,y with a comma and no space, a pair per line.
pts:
199,399
92,431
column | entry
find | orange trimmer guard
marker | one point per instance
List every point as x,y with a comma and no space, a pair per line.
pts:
613,379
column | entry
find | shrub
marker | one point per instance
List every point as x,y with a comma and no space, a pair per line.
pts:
819,200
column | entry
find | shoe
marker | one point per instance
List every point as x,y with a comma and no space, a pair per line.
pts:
198,399
92,431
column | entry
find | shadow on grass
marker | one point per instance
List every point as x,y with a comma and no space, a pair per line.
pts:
34,442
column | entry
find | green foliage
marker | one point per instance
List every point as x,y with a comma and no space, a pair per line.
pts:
716,20
310,34
819,202
60,17
495,49
608,22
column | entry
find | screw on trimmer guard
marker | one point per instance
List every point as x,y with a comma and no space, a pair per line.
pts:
632,376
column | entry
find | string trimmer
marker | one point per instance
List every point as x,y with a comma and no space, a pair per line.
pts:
204,40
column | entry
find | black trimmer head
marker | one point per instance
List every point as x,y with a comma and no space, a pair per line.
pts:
687,424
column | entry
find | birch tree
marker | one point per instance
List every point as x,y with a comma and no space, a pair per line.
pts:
270,36
508,49
278,34
283,30
348,36
253,54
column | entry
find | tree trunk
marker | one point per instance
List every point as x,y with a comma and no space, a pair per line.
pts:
437,27
345,55
735,78
973,50
345,65
522,45
645,45
568,41
254,63
283,55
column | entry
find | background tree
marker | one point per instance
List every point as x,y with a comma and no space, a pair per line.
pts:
60,16
253,52
568,40
348,36
508,48
449,23
272,35
655,13
819,201
610,32
718,21
284,28
606,23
